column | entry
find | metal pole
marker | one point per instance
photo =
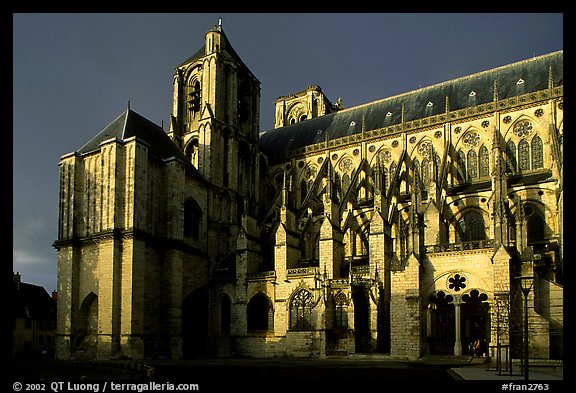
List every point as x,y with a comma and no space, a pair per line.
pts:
525,336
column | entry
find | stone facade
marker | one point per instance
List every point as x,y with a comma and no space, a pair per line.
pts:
396,227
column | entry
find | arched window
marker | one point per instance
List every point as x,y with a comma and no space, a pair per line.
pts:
511,157
194,97
340,311
192,216
537,153
385,179
259,313
523,156
535,223
301,311
484,161
427,175
472,165
192,152
461,167
470,227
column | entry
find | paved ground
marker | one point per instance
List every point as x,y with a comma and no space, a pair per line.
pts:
335,374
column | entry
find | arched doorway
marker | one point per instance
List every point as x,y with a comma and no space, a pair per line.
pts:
361,319
441,337
195,323
475,320
456,321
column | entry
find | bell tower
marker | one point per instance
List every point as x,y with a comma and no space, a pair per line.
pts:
215,115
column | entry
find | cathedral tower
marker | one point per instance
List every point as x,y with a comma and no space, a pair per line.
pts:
215,117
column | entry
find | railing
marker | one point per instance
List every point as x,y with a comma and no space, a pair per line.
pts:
302,271
464,246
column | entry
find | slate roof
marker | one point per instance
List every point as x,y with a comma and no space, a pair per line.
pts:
130,124
511,80
226,47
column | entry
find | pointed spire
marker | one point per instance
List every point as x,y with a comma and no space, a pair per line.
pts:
128,105
550,78
447,104
403,113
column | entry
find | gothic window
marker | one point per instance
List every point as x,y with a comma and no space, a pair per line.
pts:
194,97
484,162
535,223
259,313
461,167
386,179
192,152
192,215
537,153
511,157
341,311
472,165
427,176
470,227
523,155
301,311
393,168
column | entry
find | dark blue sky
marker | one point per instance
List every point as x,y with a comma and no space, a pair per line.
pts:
74,73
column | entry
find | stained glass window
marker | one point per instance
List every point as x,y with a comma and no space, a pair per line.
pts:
484,162
537,153
510,157
461,167
340,312
472,165
470,227
523,155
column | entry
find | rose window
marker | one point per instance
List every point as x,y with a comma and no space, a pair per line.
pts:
457,282
471,139
386,156
523,128
311,171
346,164
425,148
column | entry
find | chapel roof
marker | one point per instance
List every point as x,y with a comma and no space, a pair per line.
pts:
131,124
511,80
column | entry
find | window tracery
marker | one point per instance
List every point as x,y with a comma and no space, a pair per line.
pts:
524,155
537,153
484,162
301,311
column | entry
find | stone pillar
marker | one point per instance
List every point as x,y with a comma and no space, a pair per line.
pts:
458,339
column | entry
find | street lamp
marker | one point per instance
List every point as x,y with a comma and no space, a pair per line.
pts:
526,283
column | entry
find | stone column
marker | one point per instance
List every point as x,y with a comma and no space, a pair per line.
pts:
458,342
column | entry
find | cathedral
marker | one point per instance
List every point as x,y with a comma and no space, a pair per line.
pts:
397,227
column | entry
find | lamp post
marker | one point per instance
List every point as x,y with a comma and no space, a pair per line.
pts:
526,283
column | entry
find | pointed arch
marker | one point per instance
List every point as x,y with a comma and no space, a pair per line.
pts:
259,313
537,153
511,157
484,162
460,166
472,165
523,156
301,305
470,226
